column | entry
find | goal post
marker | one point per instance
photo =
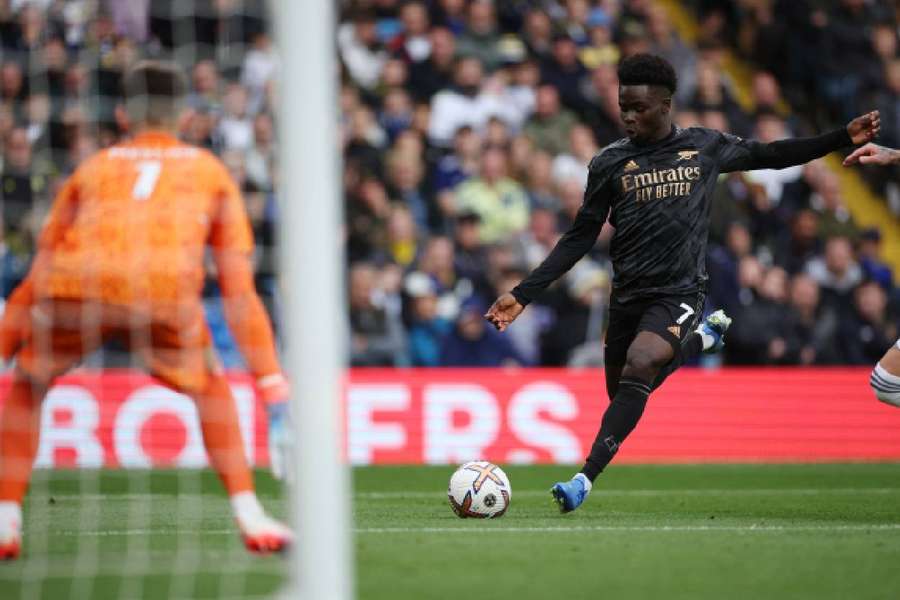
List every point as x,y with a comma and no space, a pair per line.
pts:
311,259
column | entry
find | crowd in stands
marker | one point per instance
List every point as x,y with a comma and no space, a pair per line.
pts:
61,67
467,127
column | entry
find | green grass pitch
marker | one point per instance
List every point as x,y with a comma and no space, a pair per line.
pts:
673,532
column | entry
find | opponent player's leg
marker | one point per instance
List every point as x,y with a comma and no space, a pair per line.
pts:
885,377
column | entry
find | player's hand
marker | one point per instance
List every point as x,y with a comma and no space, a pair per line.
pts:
275,391
864,128
873,154
504,311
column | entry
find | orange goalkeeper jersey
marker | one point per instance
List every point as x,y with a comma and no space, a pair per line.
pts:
132,227
132,224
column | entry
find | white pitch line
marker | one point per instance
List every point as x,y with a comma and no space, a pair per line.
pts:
650,528
518,529
641,492
421,495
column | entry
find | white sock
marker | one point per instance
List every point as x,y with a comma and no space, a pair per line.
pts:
246,505
587,482
708,340
10,511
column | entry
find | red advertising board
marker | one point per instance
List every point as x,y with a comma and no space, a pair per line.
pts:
440,416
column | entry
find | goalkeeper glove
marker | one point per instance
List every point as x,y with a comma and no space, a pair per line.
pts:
274,391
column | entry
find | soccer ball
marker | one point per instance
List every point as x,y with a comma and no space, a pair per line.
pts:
479,490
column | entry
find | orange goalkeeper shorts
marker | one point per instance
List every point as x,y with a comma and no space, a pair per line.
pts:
176,350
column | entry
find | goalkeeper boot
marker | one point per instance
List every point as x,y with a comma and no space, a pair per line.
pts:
10,530
713,329
569,495
261,533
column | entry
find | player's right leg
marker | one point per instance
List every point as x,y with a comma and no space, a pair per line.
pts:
20,423
885,377
52,344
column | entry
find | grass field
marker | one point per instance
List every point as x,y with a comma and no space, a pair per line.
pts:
692,532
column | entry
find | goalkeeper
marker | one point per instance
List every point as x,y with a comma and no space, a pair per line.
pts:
122,257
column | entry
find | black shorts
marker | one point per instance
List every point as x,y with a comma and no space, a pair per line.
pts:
672,317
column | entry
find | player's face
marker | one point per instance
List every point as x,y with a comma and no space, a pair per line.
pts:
645,111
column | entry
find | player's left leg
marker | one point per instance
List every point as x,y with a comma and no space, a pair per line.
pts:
885,377
224,444
188,365
707,337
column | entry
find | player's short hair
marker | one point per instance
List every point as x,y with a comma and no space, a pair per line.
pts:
648,69
154,91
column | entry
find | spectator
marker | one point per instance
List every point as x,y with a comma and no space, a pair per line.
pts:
412,44
481,38
550,125
539,182
800,245
434,73
834,218
757,336
574,165
377,338
810,327
361,52
471,343
837,273
868,253
470,256
236,125
500,202
868,331
427,329
563,70
463,104
261,156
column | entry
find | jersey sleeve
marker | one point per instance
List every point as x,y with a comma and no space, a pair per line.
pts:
577,241
738,154
231,240
230,225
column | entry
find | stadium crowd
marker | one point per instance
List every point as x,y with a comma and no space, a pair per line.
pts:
466,130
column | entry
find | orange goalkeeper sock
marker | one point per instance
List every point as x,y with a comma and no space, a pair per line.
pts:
222,435
20,425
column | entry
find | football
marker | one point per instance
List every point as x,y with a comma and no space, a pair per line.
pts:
479,490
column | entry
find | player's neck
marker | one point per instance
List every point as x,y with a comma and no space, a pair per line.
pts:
153,128
667,130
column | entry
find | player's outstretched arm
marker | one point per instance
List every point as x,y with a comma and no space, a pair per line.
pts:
746,155
873,154
571,247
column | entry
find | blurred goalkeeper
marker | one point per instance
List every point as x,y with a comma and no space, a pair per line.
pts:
121,257
885,377
655,187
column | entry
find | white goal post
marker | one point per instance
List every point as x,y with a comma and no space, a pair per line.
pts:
311,264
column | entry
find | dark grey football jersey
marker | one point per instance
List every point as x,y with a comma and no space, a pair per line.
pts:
658,198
